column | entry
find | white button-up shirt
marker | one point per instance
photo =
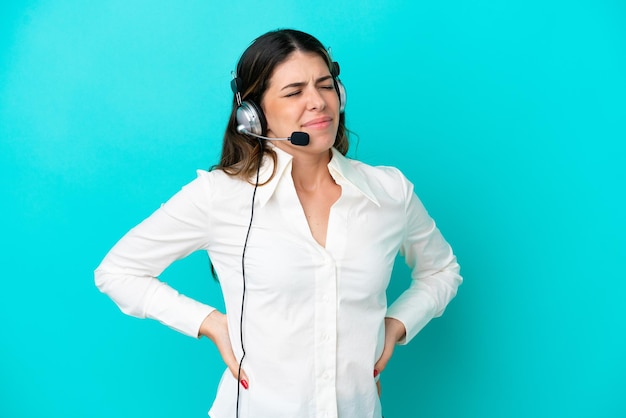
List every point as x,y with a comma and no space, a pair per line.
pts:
314,316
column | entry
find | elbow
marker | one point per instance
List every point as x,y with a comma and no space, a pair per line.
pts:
98,279
444,285
101,279
454,278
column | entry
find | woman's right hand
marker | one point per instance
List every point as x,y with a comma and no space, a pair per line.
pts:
215,327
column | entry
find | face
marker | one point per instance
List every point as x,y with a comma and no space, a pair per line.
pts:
301,96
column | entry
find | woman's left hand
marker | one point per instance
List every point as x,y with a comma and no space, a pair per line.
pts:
394,332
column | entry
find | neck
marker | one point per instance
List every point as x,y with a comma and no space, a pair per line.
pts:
311,171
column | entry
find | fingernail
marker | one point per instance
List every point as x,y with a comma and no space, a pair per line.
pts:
375,372
244,383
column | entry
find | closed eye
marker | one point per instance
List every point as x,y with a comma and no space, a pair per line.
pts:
293,93
300,84
297,92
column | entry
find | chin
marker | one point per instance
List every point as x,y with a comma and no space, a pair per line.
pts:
322,141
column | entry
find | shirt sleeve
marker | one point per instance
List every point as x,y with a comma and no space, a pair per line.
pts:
128,274
434,269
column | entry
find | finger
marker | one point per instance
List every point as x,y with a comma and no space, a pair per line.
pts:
215,326
384,357
382,361
237,372
233,365
378,387
243,379
226,351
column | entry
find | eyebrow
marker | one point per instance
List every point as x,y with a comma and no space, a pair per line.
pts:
303,83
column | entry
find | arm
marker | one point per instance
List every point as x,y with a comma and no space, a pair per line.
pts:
435,275
435,271
128,274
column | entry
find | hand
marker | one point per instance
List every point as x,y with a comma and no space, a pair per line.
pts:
215,327
394,332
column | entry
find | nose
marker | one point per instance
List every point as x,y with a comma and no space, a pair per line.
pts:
315,100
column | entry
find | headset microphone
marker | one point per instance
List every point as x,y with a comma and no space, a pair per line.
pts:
296,138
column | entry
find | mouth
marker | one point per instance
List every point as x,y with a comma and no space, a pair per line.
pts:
318,123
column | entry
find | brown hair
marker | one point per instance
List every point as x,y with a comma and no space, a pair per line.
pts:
241,153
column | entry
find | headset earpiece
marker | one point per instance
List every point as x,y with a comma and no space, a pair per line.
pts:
251,117
341,91
335,70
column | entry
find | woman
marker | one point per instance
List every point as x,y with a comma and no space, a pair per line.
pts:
303,241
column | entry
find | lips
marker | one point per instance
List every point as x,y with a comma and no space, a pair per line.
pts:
321,122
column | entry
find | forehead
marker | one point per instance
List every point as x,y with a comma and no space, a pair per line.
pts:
299,66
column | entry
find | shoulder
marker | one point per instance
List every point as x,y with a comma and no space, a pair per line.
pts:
211,186
383,178
209,195
216,181
382,172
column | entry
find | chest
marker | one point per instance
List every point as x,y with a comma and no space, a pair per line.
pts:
316,207
284,255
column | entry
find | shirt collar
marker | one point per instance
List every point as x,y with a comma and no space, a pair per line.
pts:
340,167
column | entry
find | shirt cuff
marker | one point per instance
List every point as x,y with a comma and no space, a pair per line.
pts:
413,313
177,311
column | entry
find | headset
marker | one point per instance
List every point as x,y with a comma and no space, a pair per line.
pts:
251,120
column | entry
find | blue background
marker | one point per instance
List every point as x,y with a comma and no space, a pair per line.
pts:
509,117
